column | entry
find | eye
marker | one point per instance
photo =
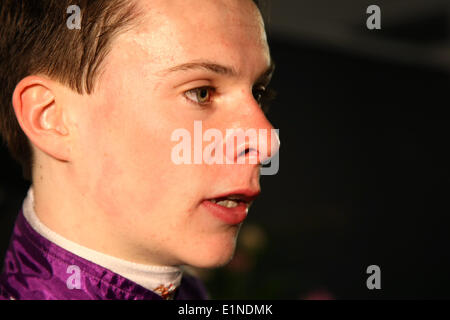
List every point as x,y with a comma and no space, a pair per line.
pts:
258,93
264,96
201,95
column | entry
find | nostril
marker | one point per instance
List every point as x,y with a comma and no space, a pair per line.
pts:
251,154
245,152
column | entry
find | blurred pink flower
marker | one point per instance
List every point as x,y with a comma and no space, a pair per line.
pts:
319,294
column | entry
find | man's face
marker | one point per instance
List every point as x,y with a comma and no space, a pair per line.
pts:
151,206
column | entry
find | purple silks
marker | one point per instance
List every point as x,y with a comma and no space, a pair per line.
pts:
37,269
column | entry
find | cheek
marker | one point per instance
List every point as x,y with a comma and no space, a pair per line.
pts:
131,167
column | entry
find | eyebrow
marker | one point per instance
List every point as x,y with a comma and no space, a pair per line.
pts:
219,69
205,65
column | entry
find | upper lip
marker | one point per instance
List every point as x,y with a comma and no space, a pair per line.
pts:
245,195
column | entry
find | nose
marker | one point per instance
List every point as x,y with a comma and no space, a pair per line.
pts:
257,140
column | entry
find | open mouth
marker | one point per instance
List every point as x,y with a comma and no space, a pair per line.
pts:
232,208
230,202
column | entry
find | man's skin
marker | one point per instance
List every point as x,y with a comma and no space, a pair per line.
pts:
103,175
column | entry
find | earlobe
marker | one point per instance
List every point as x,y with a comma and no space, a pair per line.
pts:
40,117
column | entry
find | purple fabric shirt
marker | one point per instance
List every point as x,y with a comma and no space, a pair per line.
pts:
37,269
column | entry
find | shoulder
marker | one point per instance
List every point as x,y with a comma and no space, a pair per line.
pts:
4,293
191,288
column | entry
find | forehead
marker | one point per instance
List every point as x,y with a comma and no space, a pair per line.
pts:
198,14
230,32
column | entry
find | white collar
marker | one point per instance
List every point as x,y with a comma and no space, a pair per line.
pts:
149,277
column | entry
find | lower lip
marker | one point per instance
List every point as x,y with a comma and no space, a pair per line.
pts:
230,216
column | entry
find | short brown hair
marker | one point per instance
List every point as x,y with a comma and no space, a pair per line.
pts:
35,38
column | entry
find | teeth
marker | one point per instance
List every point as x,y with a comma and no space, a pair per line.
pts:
227,203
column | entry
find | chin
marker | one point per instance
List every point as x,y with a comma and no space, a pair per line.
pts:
211,256
212,263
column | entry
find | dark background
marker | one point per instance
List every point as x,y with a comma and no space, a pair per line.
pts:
364,175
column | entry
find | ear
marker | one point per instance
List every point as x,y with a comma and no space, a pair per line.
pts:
41,117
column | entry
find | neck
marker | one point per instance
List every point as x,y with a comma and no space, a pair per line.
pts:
70,206
148,276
